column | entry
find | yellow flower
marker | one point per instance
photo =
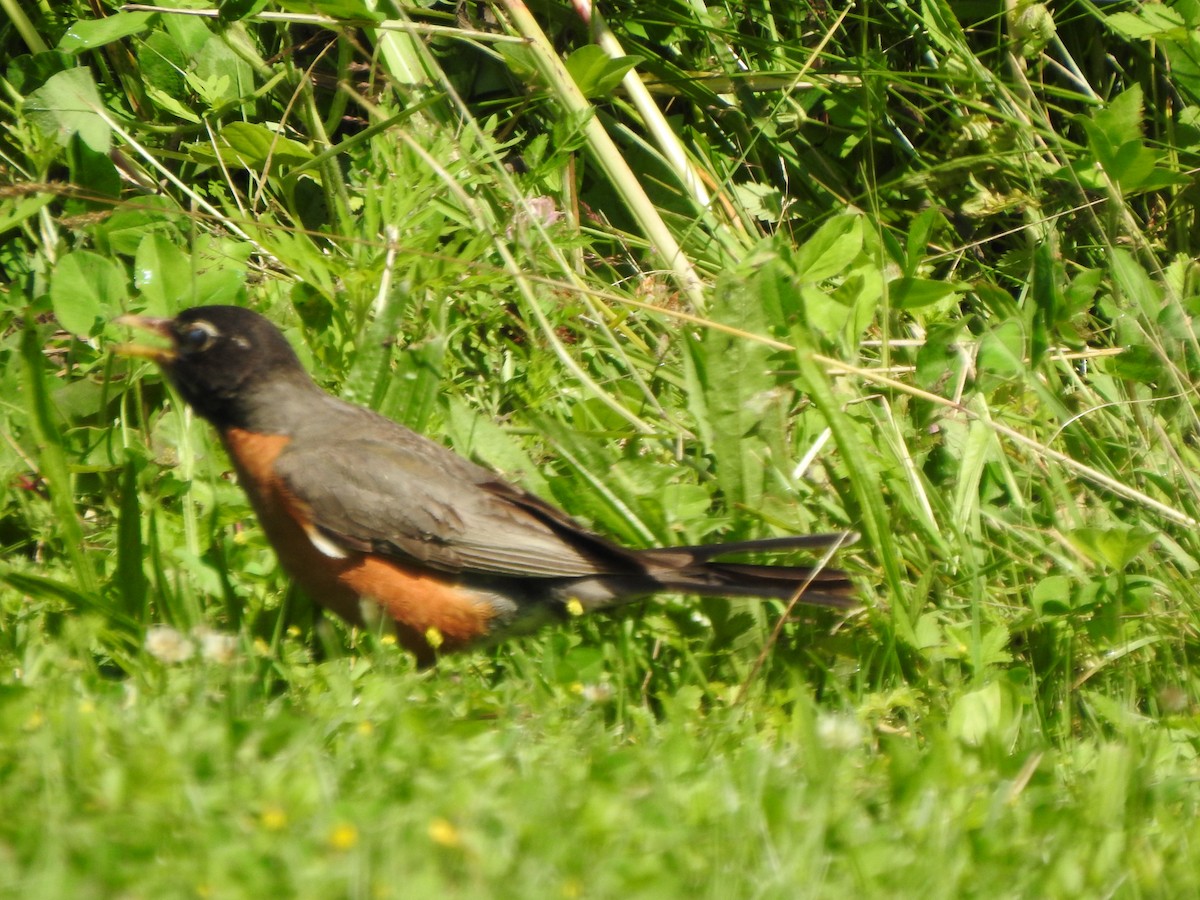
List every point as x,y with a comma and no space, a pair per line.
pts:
273,819
343,837
574,607
443,832
433,637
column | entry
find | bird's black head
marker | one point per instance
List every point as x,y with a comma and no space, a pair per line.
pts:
224,360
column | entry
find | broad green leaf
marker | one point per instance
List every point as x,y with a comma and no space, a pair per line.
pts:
1139,363
169,104
739,381
1115,547
1002,351
220,74
88,34
1153,20
257,146
831,249
67,105
977,715
415,385
163,274
86,290
1135,284
92,171
15,211
163,64
521,61
1121,120
370,371
1052,596
595,72
913,293
824,313
29,72
760,200
480,438
939,358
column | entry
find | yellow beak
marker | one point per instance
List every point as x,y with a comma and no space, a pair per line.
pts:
160,327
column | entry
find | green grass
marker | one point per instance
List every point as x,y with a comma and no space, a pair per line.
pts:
944,294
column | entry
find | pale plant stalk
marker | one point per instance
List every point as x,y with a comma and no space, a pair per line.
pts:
608,155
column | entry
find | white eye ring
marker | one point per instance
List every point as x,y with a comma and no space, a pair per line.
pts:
197,336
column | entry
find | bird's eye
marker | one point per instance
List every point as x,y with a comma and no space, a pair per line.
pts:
196,337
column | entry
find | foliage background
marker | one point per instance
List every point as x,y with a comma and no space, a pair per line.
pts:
923,270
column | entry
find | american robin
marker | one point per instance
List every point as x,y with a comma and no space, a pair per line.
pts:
368,516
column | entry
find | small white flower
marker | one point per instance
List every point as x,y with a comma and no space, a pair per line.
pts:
167,645
839,731
216,646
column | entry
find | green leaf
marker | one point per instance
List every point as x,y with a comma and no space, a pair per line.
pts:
831,250
1139,363
15,211
256,146
415,385
370,371
521,61
480,438
916,245
1135,284
29,72
92,171
974,456
1052,596
595,72
760,200
163,274
977,715
162,64
67,105
355,10
1002,351
235,10
739,381
88,34
1154,20
86,290
913,293
1114,547
866,481
1121,120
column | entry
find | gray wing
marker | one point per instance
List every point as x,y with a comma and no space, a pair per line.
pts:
412,499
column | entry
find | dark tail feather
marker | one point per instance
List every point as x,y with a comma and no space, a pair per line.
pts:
703,552
690,570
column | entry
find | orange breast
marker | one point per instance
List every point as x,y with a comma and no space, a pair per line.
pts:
425,606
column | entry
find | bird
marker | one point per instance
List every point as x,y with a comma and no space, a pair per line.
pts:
375,521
